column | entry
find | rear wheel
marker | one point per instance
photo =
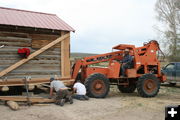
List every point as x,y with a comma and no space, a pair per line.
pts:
127,89
148,85
97,85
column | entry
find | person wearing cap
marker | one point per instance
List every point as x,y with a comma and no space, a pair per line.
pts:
80,91
62,93
126,62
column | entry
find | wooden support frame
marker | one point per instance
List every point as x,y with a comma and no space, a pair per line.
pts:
65,57
34,81
21,62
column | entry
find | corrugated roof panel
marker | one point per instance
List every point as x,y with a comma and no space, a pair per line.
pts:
24,18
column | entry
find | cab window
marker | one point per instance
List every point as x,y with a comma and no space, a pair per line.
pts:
170,67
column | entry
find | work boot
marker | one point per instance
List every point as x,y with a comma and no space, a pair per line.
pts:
70,100
62,101
86,97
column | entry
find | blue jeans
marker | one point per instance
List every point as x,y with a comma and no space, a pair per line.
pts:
123,69
80,97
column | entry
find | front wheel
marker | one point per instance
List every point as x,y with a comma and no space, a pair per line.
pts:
97,85
148,85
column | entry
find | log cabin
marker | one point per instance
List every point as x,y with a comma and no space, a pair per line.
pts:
48,38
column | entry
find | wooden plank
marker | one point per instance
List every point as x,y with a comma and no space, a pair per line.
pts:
16,47
43,37
38,57
29,66
15,39
42,43
35,58
34,81
24,99
33,76
40,40
20,44
65,57
14,51
29,72
14,34
21,62
32,62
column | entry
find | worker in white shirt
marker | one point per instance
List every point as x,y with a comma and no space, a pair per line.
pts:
62,93
80,91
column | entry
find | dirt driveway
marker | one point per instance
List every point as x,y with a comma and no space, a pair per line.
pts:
116,106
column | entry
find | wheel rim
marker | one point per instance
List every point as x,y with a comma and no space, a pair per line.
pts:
98,87
150,85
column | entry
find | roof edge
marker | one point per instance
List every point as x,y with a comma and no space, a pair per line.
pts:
26,11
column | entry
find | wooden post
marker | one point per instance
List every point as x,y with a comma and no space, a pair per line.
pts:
65,57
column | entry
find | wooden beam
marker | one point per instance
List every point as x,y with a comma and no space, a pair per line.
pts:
33,81
21,62
65,57
24,99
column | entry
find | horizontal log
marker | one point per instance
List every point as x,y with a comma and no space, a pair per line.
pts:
40,56
14,51
16,47
24,99
32,66
32,76
36,58
14,34
20,44
15,39
42,43
34,81
43,37
34,71
32,62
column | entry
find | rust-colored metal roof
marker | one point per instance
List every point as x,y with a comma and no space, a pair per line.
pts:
16,17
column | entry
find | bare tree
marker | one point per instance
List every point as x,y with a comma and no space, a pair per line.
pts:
169,14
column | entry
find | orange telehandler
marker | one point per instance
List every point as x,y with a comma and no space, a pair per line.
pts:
145,75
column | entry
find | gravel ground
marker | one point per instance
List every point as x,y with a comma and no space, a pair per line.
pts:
116,106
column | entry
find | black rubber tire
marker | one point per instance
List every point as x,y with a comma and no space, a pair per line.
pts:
89,85
141,83
172,84
127,89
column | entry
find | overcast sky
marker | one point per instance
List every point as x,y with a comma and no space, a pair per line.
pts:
99,24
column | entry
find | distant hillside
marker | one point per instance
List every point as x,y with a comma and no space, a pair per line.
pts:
81,55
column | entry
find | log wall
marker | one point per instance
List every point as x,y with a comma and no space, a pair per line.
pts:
45,65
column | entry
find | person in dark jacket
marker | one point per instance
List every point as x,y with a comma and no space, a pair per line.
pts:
126,62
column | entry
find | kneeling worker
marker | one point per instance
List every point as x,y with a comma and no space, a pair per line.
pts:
80,91
62,93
